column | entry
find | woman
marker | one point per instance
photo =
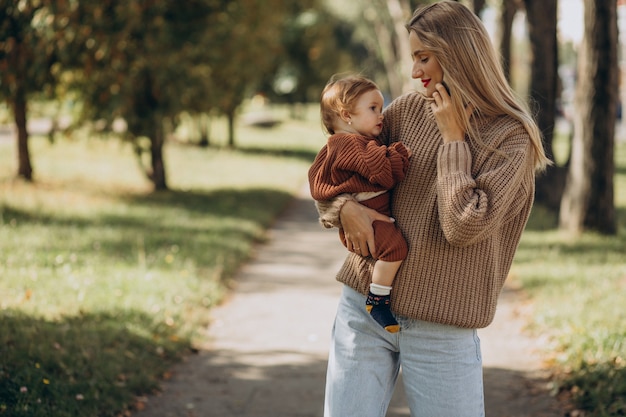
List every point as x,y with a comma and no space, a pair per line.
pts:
462,208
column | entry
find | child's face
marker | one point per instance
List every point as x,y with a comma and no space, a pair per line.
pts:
366,117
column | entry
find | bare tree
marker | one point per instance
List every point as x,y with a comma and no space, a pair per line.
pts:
505,32
389,18
588,200
541,16
28,51
478,6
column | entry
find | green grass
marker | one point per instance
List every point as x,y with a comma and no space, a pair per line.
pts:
578,287
106,284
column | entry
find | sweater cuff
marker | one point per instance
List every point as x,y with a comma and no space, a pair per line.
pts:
330,210
454,157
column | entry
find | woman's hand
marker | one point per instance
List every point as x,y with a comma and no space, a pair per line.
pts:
356,221
447,121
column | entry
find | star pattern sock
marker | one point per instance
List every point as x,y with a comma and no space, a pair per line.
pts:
379,307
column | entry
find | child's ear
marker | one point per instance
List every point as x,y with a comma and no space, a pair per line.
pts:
345,115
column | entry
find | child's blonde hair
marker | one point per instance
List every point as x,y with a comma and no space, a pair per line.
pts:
339,95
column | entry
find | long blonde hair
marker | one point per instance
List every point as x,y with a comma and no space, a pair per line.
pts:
472,70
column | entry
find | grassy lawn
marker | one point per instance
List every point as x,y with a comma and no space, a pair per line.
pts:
578,287
104,283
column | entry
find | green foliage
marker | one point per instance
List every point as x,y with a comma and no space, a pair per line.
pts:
148,62
27,48
317,44
134,58
600,388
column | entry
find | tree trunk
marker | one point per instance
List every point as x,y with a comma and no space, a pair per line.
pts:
393,44
203,122
400,12
156,154
230,115
542,25
478,5
588,201
505,33
25,169
393,70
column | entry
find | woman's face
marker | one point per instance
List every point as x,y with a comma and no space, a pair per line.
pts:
425,65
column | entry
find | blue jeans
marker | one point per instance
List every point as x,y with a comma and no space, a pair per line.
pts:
441,366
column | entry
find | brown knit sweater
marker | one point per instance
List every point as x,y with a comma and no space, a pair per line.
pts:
351,163
462,208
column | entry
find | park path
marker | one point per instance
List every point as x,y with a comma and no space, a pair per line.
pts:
265,351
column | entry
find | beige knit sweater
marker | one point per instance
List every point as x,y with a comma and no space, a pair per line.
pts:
462,208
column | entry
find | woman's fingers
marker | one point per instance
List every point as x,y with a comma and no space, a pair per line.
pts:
356,221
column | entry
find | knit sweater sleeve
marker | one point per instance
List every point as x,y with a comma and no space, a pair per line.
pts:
472,204
378,164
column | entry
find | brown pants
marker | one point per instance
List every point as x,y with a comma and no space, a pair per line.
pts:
390,244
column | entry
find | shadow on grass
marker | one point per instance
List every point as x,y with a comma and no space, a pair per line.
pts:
306,155
88,365
212,229
302,154
241,203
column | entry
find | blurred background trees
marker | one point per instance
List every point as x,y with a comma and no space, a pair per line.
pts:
30,43
138,66
588,201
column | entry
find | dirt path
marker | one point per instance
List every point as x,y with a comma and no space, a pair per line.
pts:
266,349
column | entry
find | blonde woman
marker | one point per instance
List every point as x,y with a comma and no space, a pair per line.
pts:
462,207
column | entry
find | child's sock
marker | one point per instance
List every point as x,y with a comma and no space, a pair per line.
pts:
379,306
